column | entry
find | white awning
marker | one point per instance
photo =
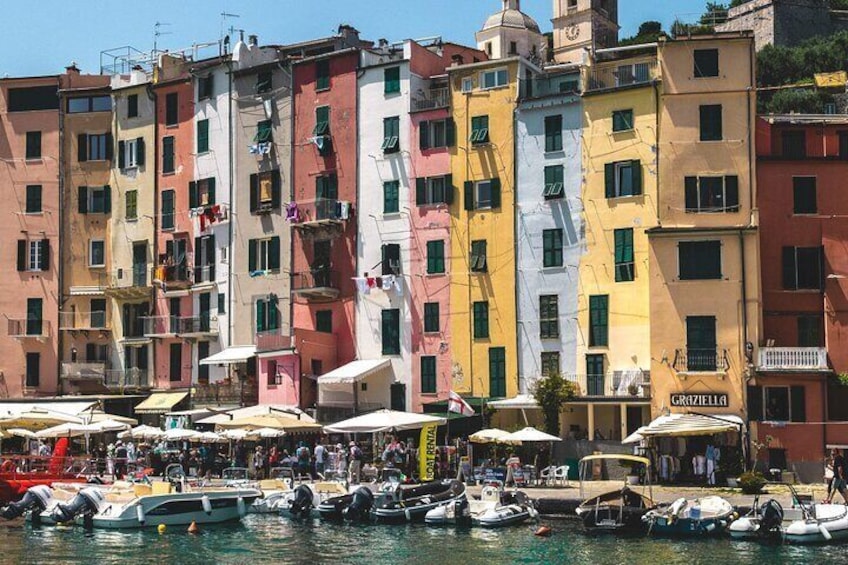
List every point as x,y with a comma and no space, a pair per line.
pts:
520,402
234,354
354,371
9,409
226,415
682,425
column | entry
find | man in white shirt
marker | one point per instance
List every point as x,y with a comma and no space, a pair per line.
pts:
320,454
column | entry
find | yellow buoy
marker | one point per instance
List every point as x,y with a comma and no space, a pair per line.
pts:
161,528
193,529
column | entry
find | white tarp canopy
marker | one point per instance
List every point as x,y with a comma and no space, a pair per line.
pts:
231,355
258,410
179,434
8,409
354,371
530,434
682,425
76,430
490,435
520,402
382,421
142,432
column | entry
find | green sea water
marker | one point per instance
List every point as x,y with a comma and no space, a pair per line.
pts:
274,539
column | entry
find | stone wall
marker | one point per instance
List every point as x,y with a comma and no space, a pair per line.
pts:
784,22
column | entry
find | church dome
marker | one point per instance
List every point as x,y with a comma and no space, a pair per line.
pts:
512,17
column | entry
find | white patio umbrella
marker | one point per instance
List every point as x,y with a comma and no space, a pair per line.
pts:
20,432
142,432
266,433
234,434
99,416
179,434
108,425
490,435
208,437
382,421
64,430
38,419
530,434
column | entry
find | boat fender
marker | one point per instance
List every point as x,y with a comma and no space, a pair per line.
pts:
161,528
710,527
139,513
242,507
408,515
193,529
544,531
207,504
825,534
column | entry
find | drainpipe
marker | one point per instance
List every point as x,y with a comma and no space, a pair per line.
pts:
61,244
230,227
515,220
752,204
154,98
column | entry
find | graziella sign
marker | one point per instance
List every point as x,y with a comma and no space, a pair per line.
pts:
699,400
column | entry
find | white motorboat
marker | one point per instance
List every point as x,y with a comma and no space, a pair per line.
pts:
766,521
274,490
494,509
707,516
822,523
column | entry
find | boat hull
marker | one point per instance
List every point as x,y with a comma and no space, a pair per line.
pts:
179,509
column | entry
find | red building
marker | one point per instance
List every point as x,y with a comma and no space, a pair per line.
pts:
795,399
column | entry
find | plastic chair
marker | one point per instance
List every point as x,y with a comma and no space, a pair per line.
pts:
561,475
546,475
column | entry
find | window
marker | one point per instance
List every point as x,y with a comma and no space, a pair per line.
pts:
391,135
37,253
638,73
94,147
483,194
599,320
494,79
94,199
489,48
554,186
552,248
479,130
322,121
96,253
550,363
35,316
171,109
322,74
33,98
711,123
778,403
98,314
202,136
131,199
701,352
624,264
711,194
324,321
167,155
804,192
168,209
553,133
622,120
428,374
706,63
131,153
264,81
266,191
431,317
263,132
802,268
435,134
481,320
132,106
497,372
175,366
33,145
222,302
391,80
391,197
549,316
513,48
33,369
33,199
794,144
391,331
623,178
267,314
467,85
699,260
204,87
434,190
810,331
263,254
391,259
435,257
201,192
478,256
89,104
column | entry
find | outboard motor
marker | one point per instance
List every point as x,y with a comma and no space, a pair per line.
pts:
771,518
88,502
360,507
301,504
462,512
36,499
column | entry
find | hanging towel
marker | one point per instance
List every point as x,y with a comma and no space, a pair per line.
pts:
343,210
362,285
399,286
372,282
388,282
292,212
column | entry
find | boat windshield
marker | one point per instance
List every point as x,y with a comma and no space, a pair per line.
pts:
616,469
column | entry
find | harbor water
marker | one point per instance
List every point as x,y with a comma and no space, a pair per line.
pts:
274,539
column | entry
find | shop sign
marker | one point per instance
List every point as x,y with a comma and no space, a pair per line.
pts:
700,400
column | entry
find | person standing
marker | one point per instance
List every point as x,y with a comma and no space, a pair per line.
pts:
120,460
320,456
839,474
355,462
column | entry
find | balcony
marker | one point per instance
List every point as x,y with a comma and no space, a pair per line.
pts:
321,214
542,87
84,371
242,393
791,359
621,384
204,275
701,361
122,379
430,99
273,340
129,284
160,326
83,321
197,326
316,285
28,329
621,76
172,277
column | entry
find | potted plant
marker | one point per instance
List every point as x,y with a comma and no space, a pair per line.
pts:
731,468
752,482
633,389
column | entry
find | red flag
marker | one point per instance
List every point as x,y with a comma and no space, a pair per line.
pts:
458,405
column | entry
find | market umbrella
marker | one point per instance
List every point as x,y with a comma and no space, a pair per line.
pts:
142,432
179,434
530,434
266,433
490,435
384,420
208,437
99,416
38,419
234,434
64,430
20,433
278,422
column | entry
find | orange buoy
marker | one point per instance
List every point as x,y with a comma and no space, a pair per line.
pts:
544,531
193,529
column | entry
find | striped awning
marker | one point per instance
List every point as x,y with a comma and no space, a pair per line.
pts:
682,425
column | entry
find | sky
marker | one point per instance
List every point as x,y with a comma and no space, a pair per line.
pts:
52,33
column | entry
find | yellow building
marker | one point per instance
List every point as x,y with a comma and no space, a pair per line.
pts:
704,259
620,98
481,264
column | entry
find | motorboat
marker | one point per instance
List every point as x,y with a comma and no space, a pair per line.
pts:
410,504
707,516
304,499
822,523
764,522
620,509
494,509
274,489
36,500
355,507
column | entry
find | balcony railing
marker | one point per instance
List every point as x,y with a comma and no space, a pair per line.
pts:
792,359
84,370
76,320
159,326
431,99
197,325
174,276
321,212
700,360
620,76
204,274
548,86
127,378
321,284
226,392
619,384
273,340
28,328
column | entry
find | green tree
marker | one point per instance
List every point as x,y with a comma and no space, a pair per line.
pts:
648,32
716,13
551,393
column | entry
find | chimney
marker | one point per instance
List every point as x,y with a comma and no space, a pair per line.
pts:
72,69
457,59
253,40
349,35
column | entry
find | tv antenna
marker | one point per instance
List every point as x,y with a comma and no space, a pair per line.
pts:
224,16
157,31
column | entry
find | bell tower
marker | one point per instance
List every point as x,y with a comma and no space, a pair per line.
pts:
581,25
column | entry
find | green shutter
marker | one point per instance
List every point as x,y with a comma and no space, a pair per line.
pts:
139,151
107,199
254,192
202,136
82,200
598,320
449,189
755,403
22,255
469,195
636,171
609,180
193,197
496,193
210,190
798,403
82,147
690,186
251,255
260,315
122,160
450,132
424,135
420,191
789,269
731,193
274,254
276,189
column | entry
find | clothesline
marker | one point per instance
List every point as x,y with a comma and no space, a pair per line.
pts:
364,285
